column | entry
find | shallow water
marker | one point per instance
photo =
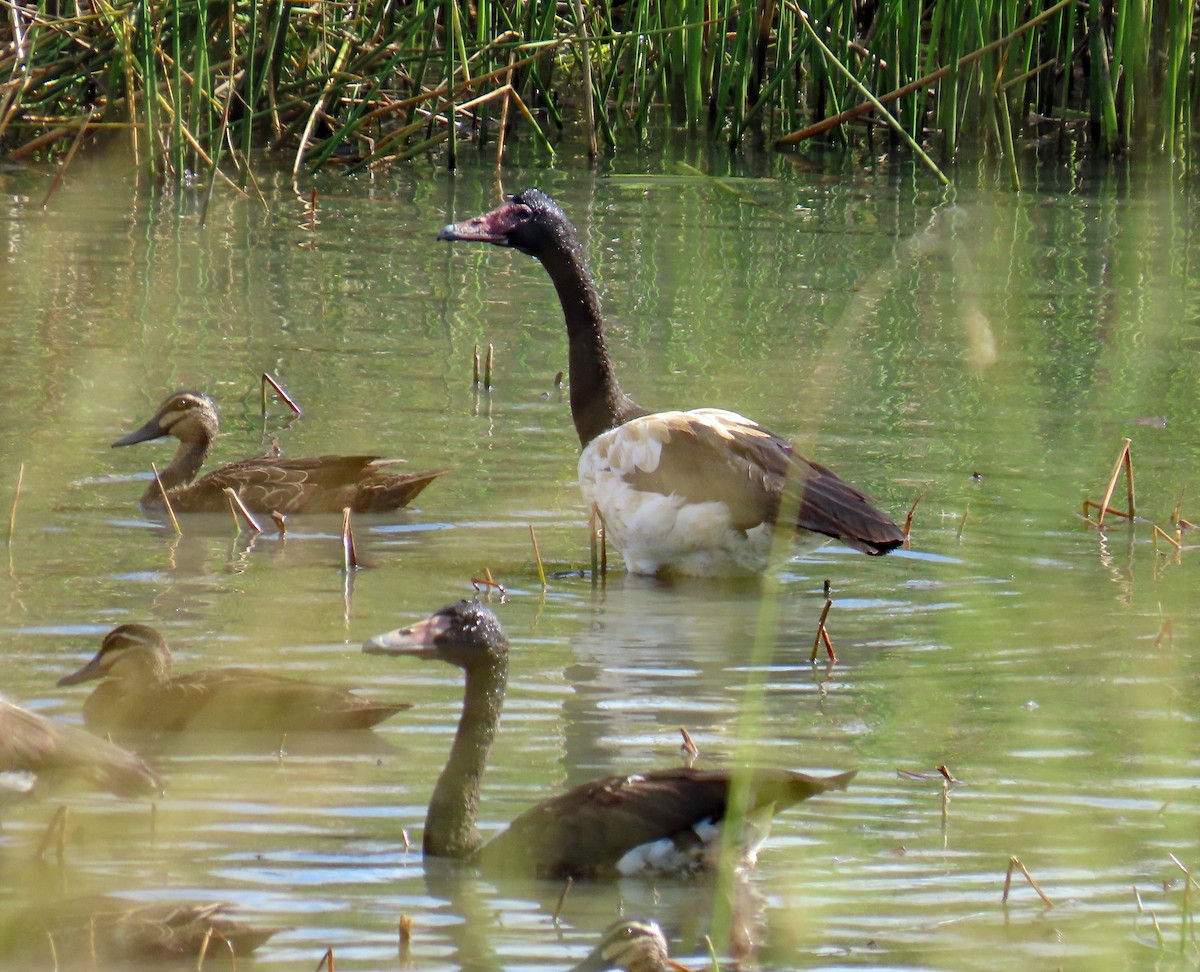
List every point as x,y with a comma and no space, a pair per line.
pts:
987,350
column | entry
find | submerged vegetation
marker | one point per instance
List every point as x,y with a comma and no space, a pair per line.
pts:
194,84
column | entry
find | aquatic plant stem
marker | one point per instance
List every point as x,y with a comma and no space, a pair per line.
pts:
896,126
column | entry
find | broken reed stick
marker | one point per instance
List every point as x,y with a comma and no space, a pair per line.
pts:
1160,532
823,635
1166,630
12,514
562,898
326,961
1015,863
487,583
349,554
236,506
475,366
54,832
962,522
280,522
166,501
912,510
70,156
1124,459
688,748
404,929
268,379
867,107
537,553
487,368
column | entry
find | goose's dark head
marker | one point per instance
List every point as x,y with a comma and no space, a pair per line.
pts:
187,415
465,634
530,221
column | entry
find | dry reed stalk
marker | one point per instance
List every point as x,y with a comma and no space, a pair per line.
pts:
487,367
475,366
823,636
62,169
54,833
487,583
349,554
404,838
280,522
1166,630
1015,863
162,490
1160,532
326,961
537,553
562,898
208,934
1124,459
268,379
12,513
688,748
236,506
866,107
911,511
404,929
962,522
589,97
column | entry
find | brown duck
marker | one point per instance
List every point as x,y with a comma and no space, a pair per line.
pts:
140,693
658,820
632,945
47,752
698,491
265,484
76,932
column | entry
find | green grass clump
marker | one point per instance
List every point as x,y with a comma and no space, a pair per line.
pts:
193,84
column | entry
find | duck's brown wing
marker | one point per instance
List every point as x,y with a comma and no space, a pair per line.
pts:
32,743
320,484
249,700
586,831
710,454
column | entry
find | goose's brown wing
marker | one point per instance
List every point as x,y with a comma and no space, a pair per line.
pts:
586,831
711,454
32,743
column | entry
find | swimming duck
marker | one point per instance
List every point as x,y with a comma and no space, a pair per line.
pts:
34,749
265,484
695,491
140,693
657,820
635,946
76,932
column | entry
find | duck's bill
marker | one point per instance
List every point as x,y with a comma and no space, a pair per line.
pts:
151,430
89,671
416,640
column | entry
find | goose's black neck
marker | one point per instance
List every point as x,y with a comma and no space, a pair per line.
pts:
450,823
597,402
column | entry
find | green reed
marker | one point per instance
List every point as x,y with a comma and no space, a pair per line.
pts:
191,82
